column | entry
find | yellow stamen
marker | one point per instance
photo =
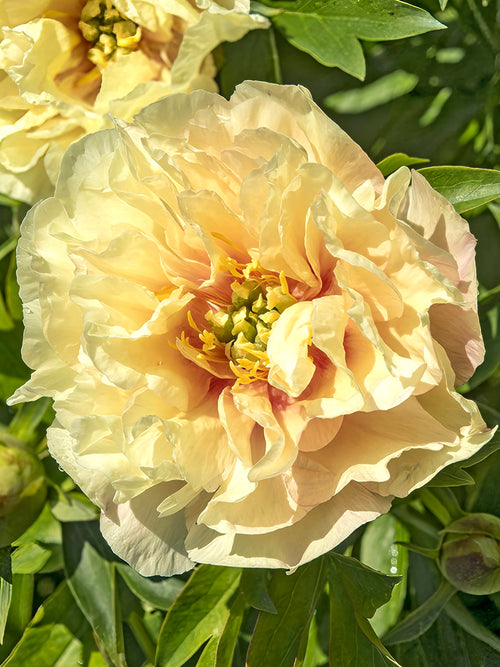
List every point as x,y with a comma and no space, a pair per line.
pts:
192,323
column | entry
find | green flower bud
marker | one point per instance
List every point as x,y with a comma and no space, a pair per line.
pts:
22,491
470,554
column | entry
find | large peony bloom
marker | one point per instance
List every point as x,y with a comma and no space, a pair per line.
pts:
252,340
66,64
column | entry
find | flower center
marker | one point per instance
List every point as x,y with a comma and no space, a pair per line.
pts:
243,328
108,31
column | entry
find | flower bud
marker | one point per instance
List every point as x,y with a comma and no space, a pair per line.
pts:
470,554
22,491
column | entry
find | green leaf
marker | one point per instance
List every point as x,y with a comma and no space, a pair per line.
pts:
74,506
371,95
489,299
13,371
30,558
393,162
277,637
21,603
7,246
209,654
380,552
421,619
156,591
227,642
197,614
5,599
91,578
455,471
57,635
329,30
254,587
45,530
459,613
5,565
27,418
356,592
313,656
240,63
465,187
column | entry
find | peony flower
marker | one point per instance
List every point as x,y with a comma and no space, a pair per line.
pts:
252,339
65,65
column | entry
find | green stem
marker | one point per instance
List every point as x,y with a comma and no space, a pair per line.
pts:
435,506
275,56
142,635
449,501
413,519
482,25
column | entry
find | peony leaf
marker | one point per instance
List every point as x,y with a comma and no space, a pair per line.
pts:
374,94
382,551
209,653
197,614
421,619
465,187
5,600
91,579
392,162
156,591
30,558
240,63
57,635
457,611
226,643
277,637
455,471
330,30
13,370
254,588
356,592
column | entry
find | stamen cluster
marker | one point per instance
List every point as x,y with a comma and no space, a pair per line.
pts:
108,31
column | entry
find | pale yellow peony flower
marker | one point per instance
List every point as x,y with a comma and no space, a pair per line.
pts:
251,338
65,65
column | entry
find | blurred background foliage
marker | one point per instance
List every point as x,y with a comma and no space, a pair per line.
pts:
66,600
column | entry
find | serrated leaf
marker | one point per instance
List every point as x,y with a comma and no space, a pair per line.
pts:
198,613
156,591
330,30
465,187
421,619
254,587
91,579
277,637
374,94
393,162
356,591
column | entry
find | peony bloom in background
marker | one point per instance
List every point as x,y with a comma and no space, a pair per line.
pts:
66,64
252,339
